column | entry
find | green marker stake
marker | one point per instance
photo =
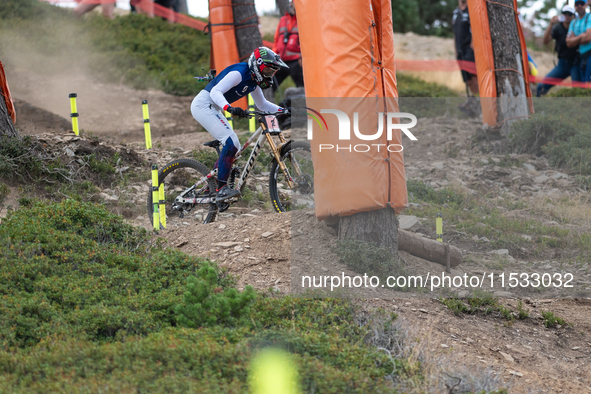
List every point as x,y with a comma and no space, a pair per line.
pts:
439,227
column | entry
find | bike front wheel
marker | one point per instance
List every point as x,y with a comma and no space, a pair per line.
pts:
297,158
182,187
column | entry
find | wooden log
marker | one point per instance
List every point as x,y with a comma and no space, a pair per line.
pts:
428,249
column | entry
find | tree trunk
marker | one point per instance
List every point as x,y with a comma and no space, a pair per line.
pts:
183,9
6,125
248,35
379,227
511,90
282,6
246,23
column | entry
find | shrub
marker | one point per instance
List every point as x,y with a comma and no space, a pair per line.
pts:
550,320
420,191
207,304
565,140
74,270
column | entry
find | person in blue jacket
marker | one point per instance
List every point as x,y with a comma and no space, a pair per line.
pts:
234,82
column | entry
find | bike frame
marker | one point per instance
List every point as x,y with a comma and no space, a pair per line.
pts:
259,136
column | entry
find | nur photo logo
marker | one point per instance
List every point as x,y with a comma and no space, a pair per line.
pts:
344,132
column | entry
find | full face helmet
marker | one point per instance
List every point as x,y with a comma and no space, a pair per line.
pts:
263,64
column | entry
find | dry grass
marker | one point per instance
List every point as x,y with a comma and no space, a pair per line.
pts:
575,209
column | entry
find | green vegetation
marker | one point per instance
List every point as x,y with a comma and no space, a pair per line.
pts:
550,320
88,302
206,305
409,86
484,303
565,139
570,92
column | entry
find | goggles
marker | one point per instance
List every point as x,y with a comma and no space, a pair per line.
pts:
268,71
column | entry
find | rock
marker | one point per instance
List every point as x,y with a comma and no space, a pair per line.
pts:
541,179
70,152
408,222
475,238
495,160
247,215
529,167
575,348
484,161
423,311
267,234
507,357
516,373
484,239
438,165
504,294
238,249
500,252
443,345
181,242
222,226
526,237
246,239
560,175
227,245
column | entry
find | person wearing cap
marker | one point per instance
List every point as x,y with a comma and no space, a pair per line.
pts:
568,58
579,35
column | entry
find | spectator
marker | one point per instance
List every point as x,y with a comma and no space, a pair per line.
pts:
463,43
287,45
579,35
568,58
107,6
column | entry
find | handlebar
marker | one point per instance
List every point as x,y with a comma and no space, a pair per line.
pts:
250,114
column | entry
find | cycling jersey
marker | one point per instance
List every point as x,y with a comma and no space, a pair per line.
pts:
234,83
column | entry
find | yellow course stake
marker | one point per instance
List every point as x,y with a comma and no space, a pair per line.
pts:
147,130
74,113
252,125
439,227
229,118
155,197
162,208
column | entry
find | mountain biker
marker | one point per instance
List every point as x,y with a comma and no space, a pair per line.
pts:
235,82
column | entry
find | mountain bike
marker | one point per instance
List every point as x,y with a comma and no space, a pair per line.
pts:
190,186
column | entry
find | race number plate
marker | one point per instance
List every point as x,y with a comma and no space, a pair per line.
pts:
272,125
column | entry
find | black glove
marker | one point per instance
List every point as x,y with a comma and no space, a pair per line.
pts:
237,111
285,111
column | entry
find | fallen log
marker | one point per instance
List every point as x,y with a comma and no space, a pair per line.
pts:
428,249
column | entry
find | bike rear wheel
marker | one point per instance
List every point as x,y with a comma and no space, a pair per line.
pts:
179,176
297,157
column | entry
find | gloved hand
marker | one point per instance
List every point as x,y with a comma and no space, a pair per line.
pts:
237,111
286,111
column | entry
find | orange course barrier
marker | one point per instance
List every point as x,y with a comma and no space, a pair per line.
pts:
349,66
6,93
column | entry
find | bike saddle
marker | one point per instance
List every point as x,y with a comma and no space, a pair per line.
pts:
212,144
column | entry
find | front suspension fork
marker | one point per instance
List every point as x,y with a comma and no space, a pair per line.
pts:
277,153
